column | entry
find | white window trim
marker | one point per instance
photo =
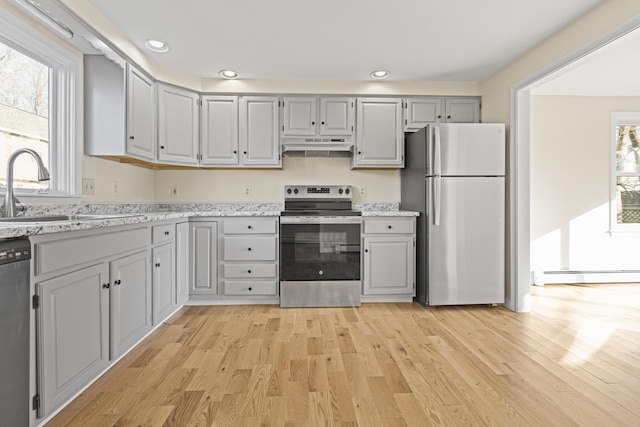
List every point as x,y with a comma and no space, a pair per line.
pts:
618,118
65,154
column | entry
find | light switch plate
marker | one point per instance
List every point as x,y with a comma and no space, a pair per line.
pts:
88,186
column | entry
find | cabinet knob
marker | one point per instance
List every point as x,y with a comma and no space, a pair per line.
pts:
249,227
117,282
440,116
448,117
250,289
389,227
359,152
249,249
249,271
132,137
235,151
166,233
157,264
313,123
106,286
322,123
366,250
244,152
162,147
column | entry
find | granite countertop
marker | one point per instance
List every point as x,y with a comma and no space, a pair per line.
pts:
136,214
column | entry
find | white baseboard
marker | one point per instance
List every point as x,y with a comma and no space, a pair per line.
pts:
540,278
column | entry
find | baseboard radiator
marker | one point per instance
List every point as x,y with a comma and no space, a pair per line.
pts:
540,278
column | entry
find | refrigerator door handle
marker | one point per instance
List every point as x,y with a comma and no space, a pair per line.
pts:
437,183
437,158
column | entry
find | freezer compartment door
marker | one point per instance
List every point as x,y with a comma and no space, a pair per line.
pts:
466,240
469,149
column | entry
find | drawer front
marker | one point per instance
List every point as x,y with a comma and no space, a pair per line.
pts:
59,254
245,271
250,248
163,233
252,225
389,226
250,288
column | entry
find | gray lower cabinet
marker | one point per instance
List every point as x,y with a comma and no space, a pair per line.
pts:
73,333
249,261
130,301
203,263
164,281
389,256
182,262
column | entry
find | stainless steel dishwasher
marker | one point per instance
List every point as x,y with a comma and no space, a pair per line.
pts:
15,256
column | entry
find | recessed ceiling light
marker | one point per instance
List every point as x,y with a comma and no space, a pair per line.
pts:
156,46
380,74
228,74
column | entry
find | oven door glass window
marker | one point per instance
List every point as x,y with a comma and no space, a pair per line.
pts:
320,252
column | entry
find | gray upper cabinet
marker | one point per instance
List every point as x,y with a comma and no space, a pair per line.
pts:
379,133
141,137
219,131
317,116
421,111
462,110
119,108
259,136
178,122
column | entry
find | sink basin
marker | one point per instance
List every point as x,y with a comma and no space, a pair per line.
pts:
54,218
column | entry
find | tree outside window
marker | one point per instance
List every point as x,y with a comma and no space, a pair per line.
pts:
627,170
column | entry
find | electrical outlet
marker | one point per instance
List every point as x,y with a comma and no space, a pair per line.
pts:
114,187
363,191
88,186
247,191
174,191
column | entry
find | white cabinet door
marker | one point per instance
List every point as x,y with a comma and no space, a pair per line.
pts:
462,110
299,116
336,116
178,119
204,258
389,265
73,333
182,262
130,301
141,136
219,136
419,112
259,136
164,281
379,140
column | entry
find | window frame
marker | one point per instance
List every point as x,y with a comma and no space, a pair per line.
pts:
65,154
617,119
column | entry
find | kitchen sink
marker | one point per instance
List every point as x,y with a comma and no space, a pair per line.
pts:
54,218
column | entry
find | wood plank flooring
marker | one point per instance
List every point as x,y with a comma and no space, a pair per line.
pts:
575,360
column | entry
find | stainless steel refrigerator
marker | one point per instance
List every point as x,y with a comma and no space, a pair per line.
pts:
454,175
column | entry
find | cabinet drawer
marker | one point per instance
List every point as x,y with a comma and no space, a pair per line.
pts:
163,233
250,248
251,225
250,288
59,254
243,271
390,226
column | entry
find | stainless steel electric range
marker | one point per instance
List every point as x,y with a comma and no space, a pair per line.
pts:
319,247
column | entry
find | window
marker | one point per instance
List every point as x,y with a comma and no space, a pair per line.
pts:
38,99
625,177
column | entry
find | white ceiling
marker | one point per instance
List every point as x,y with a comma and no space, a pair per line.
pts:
342,39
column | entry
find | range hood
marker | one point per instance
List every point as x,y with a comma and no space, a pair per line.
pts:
315,147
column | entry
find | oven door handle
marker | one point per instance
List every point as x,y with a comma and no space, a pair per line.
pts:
320,220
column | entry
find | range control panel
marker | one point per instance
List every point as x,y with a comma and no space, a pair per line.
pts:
318,192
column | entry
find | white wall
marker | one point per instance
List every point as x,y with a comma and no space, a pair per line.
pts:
570,164
268,185
134,184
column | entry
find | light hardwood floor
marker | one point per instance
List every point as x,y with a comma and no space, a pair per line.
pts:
575,360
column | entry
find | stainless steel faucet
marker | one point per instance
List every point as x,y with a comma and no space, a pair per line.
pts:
9,199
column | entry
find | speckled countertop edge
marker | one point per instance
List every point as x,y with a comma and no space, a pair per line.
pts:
135,214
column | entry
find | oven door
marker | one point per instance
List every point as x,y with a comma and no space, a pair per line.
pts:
320,248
